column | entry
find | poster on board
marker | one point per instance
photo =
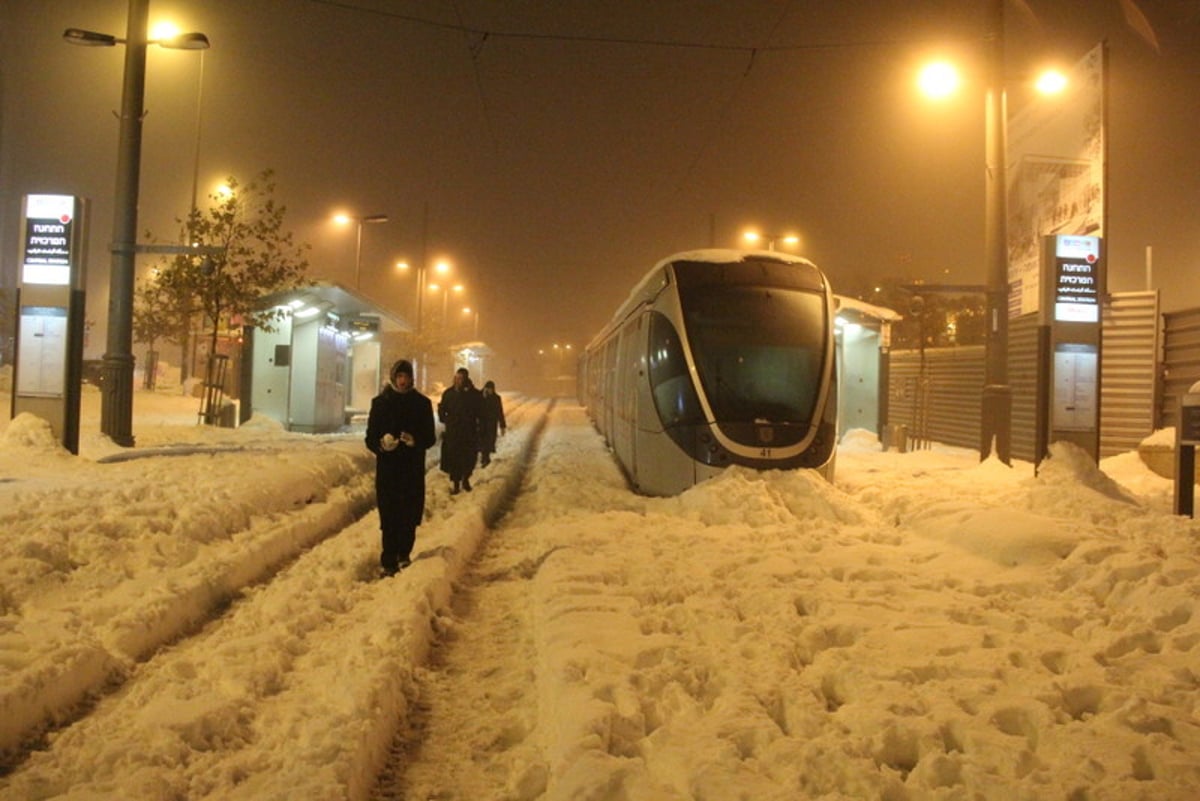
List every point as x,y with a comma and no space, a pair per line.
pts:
1055,175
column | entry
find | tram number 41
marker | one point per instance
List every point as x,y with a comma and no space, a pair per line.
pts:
765,453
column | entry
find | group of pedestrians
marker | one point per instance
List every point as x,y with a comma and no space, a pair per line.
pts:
471,419
400,429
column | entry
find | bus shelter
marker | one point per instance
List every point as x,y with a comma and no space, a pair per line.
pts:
320,362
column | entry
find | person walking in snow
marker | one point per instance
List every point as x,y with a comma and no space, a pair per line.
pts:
492,415
399,430
459,412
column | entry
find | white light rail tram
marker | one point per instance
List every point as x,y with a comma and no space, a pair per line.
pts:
718,358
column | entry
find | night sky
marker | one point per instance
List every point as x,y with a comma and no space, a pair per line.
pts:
561,147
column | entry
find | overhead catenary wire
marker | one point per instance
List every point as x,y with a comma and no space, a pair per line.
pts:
484,34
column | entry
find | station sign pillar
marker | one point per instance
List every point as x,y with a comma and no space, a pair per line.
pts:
50,303
1073,287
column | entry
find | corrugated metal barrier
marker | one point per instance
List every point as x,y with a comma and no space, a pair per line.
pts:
938,395
1181,361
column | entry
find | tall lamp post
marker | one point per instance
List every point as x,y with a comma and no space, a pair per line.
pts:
938,81
116,370
199,130
474,315
995,421
441,268
346,219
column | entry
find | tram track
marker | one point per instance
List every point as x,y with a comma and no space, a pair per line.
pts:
475,705
134,618
262,655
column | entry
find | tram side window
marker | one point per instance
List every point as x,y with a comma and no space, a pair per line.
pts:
674,396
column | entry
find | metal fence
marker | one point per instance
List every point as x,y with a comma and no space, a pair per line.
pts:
937,394
1128,371
1181,361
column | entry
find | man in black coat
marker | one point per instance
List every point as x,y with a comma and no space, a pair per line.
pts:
459,412
399,431
492,416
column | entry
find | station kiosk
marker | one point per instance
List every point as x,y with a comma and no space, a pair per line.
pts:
50,304
1073,281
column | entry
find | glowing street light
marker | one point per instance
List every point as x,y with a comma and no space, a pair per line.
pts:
939,80
116,400
1051,82
754,237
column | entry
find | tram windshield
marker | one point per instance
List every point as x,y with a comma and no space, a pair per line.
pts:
759,350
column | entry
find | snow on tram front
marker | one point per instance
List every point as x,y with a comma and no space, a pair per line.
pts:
718,358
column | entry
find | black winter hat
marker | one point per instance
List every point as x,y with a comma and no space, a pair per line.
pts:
402,366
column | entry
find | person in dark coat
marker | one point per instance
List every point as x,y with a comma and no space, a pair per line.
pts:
491,418
399,430
459,412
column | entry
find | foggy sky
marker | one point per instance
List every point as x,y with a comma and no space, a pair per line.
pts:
561,148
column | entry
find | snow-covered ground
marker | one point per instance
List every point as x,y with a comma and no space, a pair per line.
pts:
928,627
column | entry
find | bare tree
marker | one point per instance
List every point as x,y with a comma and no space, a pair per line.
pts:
248,254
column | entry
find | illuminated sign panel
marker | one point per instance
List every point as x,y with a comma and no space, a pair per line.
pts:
1077,279
48,239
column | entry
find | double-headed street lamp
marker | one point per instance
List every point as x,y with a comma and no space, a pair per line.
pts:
116,400
445,289
346,219
939,81
442,267
754,237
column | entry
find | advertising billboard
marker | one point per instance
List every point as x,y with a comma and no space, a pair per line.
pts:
1056,153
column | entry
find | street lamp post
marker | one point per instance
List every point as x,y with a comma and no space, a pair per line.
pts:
938,81
116,370
474,315
346,219
446,299
422,271
199,129
996,407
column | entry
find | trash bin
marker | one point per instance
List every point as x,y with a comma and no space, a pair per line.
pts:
228,416
895,437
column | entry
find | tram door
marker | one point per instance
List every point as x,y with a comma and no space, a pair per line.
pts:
630,346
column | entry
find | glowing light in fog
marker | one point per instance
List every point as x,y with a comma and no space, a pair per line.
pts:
939,80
